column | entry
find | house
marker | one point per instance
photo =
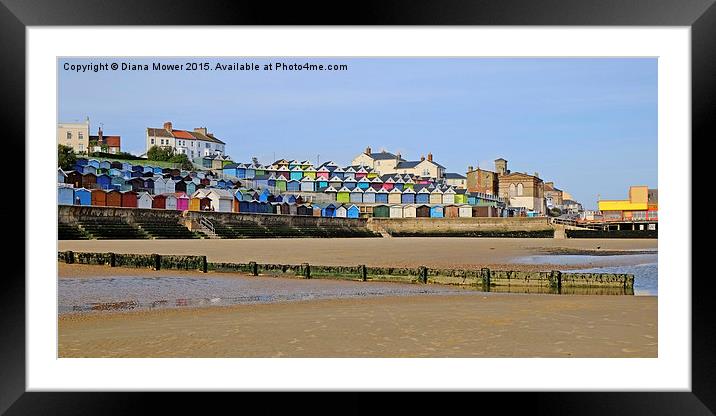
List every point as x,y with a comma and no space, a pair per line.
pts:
105,143
65,195
99,197
221,200
160,202
457,180
437,211
523,190
194,144
381,211
422,211
353,212
383,162
75,135
113,198
129,199
396,211
144,200
83,196
409,211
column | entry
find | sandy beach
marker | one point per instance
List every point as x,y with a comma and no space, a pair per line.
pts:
498,253
494,325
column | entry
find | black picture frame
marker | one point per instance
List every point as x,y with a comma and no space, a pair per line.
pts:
16,15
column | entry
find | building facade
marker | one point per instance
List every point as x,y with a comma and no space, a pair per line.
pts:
195,144
104,143
642,205
523,190
74,135
384,163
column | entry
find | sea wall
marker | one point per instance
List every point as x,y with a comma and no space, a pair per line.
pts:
612,234
481,277
463,227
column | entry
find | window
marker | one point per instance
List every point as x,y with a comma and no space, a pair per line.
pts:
151,140
512,191
208,145
520,189
79,135
69,135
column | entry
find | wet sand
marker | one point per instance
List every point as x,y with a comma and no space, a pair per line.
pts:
494,325
497,253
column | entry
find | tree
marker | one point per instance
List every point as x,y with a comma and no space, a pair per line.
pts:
162,154
66,157
182,160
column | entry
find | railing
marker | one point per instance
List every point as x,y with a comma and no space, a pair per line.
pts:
205,222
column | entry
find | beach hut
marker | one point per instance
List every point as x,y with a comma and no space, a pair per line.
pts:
396,211
323,173
147,169
81,161
265,195
160,202
437,211
449,197
341,212
349,173
170,201
149,185
221,200
408,196
331,193
356,196
339,173
65,195
361,173
160,185
113,198
244,206
399,184
200,201
409,211
283,172
452,211
144,200
364,183
422,196
436,196
304,210
308,184
280,184
83,197
350,183
388,184
179,186
353,211
335,182
93,163
394,196
105,164
296,173
460,196
381,211
183,201
115,172
422,211
293,186
129,199
343,195
321,185
61,176
309,172
89,181
116,165
99,197
465,211
329,211
381,197
369,196
376,183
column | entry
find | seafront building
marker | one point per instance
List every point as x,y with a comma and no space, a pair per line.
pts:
75,135
195,143
641,205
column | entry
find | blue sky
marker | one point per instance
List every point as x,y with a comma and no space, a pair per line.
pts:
589,125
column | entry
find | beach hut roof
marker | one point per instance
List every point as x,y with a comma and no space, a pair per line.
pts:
338,169
382,191
308,179
344,189
436,191
350,169
395,191
335,179
423,190
450,190
370,190
310,169
330,189
376,180
364,180
356,191
408,191
350,179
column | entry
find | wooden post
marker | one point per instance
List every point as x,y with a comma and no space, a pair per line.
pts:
557,280
485,273
69,257
306,270
254,268
204,264
423,274
112,260
363,272
157,260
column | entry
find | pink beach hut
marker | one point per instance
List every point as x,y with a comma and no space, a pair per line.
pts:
182,201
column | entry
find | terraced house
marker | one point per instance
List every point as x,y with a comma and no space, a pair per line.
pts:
196,143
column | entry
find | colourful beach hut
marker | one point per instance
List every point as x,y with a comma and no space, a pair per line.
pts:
465,211
381,211
350,183
160,202
376,183
308,184
65,195
460,196
364,183
329,211
452,211
381,197
99,198
408,196
436,196
437,211
335,182
343,195
296,173
221,200
356,196
353,211
369,196
83,196
144,200
449,197
422,196
394,196
293,185
341,212
129,199
113,199
396,211
183,201
331,192
422,211
409,211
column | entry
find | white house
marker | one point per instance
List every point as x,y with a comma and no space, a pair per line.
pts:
196,143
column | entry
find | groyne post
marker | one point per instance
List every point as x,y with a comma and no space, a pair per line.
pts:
112,259
485,275
363,272
306,270
204,264
157,261
423,274
254,268
69,257
556,280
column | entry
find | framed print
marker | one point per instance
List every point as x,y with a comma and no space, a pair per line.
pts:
462,198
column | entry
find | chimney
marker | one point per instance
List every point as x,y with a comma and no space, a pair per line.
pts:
430,157
168,126
470,169
397,156
367,151
422,158
201,130
99,134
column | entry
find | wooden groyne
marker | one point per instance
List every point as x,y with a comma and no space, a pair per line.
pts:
483,278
